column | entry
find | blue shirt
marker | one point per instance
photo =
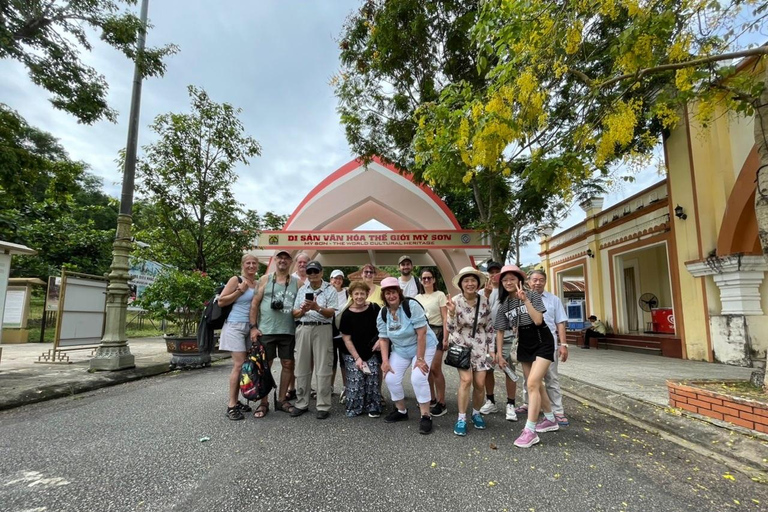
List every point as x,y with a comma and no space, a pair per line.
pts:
242,307
402,332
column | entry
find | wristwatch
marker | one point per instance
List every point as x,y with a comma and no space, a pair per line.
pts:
253,326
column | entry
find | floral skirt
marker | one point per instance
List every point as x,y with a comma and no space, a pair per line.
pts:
363,394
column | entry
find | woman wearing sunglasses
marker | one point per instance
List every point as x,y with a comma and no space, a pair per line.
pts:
434,301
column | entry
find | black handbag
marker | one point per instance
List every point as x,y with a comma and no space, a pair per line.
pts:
458,356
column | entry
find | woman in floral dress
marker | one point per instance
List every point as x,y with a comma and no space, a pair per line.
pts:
465,331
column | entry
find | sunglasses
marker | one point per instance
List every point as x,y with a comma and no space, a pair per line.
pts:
367,271
312,271
426,278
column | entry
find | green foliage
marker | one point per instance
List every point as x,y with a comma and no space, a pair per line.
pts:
178,296
402,57
51,204
48,36
191,219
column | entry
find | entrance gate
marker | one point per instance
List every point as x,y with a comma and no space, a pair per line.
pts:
325,222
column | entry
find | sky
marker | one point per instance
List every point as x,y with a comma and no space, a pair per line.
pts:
271,58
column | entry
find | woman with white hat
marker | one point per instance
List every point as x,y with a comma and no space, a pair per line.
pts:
405,330
523,310
469,325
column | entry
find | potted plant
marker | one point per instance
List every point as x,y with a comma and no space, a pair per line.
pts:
179,297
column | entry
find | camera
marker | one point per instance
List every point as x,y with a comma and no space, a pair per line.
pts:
276,304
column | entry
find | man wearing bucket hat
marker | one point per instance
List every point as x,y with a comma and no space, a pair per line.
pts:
469,325
412,344
523,310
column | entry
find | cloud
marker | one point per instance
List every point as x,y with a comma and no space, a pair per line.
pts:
272,59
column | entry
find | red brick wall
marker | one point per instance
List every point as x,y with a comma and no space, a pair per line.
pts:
745,413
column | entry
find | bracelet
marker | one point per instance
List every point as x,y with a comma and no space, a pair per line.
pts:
420,359
253,326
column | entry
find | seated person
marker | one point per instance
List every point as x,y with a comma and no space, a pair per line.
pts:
597,330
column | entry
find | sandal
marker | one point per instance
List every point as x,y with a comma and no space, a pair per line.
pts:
284,406
234,413
243,407
290,395
261,411
562,420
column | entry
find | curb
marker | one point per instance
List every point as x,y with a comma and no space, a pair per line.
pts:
748,450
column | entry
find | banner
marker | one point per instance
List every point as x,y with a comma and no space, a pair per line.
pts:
373,240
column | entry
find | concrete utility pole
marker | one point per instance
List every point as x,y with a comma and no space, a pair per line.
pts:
114,353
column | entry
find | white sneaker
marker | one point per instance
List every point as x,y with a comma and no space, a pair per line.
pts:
489,408
511,414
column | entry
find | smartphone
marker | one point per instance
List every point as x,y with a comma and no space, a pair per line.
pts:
309,296
366,369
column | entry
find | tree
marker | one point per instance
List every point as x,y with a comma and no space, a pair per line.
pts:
194,221
599,80
47,36
398,57
50,203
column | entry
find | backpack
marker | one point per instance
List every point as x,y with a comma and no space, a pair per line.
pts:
256,380
406,308
215,315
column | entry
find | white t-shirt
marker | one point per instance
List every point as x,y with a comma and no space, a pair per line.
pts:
410,289
554,314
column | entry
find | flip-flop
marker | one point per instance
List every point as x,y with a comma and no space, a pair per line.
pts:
261,411
562,420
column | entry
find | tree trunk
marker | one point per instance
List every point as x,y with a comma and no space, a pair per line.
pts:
485,218
761,195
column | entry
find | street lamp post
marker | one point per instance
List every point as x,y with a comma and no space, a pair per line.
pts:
113,352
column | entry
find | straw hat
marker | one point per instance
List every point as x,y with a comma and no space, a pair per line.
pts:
467,271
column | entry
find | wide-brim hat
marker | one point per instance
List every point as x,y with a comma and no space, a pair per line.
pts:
389,282
467,271
515,270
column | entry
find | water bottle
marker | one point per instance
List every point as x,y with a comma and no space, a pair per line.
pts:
512,375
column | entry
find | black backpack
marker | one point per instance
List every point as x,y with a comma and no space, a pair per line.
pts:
215,315
406,308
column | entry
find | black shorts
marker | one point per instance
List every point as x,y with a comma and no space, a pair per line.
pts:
535,341
438,330
281,345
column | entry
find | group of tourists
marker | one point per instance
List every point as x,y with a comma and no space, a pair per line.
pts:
375,333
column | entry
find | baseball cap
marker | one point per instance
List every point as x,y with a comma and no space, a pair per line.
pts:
337,273
314,265
283,252
492,264
403,258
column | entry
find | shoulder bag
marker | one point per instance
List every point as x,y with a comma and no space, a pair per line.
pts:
458,356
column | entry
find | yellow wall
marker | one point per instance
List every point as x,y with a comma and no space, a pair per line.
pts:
693,322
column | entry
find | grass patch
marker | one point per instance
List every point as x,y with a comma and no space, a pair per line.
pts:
135,329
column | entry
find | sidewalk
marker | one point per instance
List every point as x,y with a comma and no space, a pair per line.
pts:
24,381
630,385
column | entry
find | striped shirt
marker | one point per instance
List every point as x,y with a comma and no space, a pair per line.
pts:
514,310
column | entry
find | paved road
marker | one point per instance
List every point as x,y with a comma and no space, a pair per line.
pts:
137,447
